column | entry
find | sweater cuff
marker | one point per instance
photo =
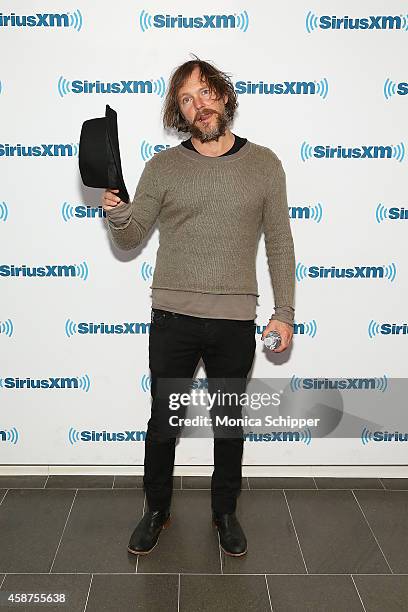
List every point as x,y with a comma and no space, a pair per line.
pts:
120,215
286,314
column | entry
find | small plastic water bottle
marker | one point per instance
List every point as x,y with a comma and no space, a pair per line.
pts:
272,340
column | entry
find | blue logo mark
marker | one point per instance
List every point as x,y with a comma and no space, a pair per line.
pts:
149,86
306,436
147,150
319,384
64,86
145,382
373,328
386,329
366,436
1,87
382,436
70,328
382,213
69,212
52,382
306,329
3,211
388,271
398,152
75,436
48,20
391,88
320,88
364,152
9,435
43,150
125,328
75,20
237,22
71,270
145,21
371,22
312,22
84,383
146,271
313,212
82,270
306,151
6,327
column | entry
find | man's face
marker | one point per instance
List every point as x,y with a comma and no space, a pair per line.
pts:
204,114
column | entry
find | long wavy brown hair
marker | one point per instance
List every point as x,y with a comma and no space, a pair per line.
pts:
217,81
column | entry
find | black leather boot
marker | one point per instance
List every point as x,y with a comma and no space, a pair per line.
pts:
232,538
146,534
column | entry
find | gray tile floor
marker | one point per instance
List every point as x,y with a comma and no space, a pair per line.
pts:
314,544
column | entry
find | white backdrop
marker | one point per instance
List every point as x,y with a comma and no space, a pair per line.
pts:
345,212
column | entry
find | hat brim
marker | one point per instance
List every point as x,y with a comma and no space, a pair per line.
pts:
113,143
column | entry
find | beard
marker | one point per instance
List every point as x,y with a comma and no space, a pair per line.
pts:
207,134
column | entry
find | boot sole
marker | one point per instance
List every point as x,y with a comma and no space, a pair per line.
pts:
146,552
230,554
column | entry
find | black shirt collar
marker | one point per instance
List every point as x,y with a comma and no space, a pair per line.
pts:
238,143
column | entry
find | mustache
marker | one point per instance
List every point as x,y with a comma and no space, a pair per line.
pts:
205,112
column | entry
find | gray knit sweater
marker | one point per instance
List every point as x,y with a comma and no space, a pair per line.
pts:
210,212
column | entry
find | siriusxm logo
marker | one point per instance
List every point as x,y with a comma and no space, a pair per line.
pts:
313,384
90,328
3,212
308,88
389,272
147,150
371,22
303,329
146,271
382,213
9,435
42,150
75,382
313,212
364,152
43,20
69,270
391,88
145,383
157,87
304,436
382,436
69,212
387,329
233,21
85,435
6,328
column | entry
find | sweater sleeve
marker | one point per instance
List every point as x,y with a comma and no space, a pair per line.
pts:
279,243
128,224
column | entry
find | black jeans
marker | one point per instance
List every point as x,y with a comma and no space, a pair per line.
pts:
176,344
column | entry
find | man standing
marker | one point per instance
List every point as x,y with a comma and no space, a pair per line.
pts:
212,195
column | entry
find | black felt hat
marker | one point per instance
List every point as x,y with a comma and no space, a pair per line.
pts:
99,155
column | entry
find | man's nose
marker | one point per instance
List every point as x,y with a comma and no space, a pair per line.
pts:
198,103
